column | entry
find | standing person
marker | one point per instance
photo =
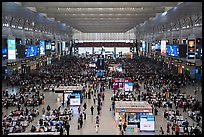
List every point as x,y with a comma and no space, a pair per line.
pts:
84,106
103,96
173,128
61,130
78,123
124,127
161,131
94,99
97,119
120,125
177,130
48,108
84,113
43,111
67,126
97,126
168,130
79,109
92,108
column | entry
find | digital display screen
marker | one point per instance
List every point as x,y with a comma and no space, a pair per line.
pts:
128,86
31,51
163,47
4,51
172,50
63,45
75,99
11,49
143,45
42,47
147,123
48,45
53,48
158,46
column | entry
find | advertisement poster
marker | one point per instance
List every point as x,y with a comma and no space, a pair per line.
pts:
147,123
42,47
11,49
163,47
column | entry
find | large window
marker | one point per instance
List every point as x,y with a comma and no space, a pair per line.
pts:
84,50
122,49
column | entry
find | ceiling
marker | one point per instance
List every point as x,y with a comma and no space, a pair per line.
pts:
100,17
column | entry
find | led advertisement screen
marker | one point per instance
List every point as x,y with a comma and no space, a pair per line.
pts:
157,46
53,48
63,45
172,50
4,52
75,99
191,49
163,47
48,44
143,45
11,49
147,123
128,86
42,47
31,51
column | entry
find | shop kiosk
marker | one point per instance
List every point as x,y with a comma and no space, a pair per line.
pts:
74,93
135,114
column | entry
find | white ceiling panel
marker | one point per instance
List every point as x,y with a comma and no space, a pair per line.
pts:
100,16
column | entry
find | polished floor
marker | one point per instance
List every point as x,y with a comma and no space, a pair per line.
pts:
107,123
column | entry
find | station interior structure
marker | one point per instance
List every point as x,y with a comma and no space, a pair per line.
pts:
101,68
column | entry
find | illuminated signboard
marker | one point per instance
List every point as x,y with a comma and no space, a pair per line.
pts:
63,45
11,49
143,45
191,50
42,47
163,47
128,86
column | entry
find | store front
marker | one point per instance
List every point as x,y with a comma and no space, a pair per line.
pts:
133,113
73,94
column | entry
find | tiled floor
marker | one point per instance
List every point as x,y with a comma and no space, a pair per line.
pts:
107,123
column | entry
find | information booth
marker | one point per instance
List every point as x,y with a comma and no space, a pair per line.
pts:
125,84
135,114
71,93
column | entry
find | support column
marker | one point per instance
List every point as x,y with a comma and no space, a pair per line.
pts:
180,36
171,37
92,50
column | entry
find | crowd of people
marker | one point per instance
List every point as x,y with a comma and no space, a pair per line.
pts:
161,90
